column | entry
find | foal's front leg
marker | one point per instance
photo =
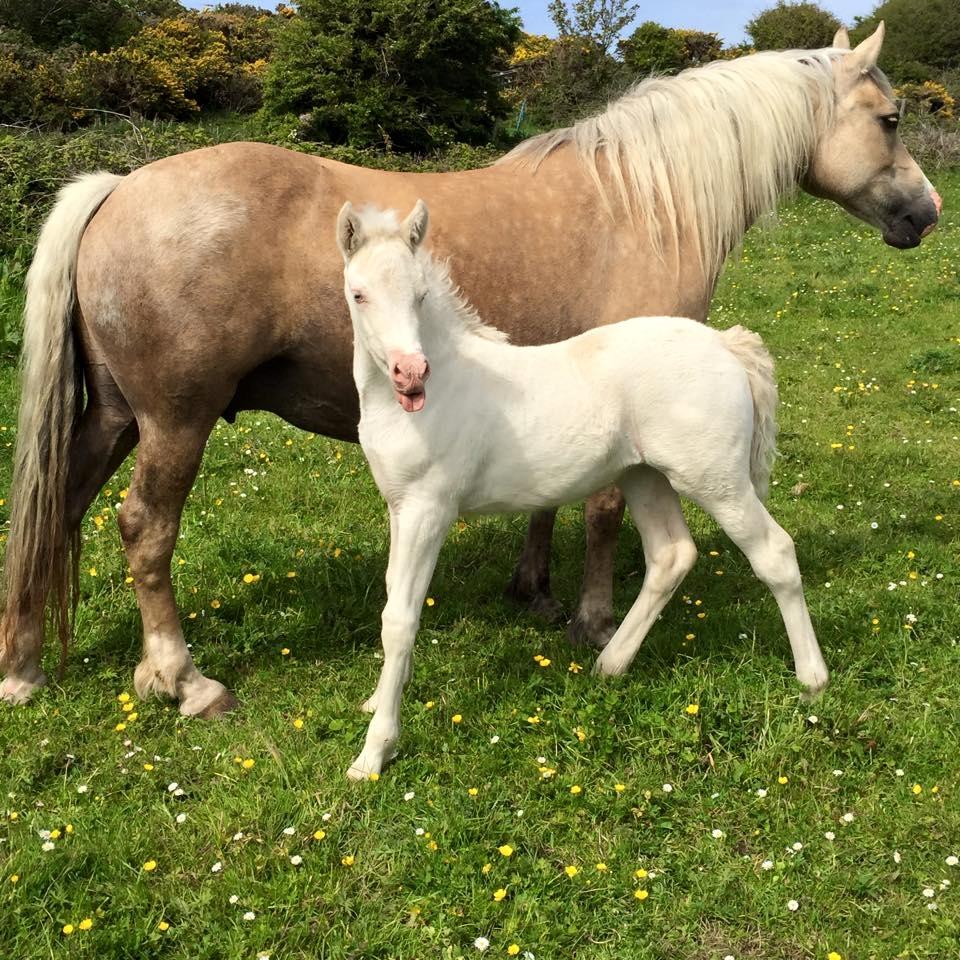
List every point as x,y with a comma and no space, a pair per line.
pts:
417,533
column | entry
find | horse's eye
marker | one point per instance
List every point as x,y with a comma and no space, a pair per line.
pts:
892,121
358,298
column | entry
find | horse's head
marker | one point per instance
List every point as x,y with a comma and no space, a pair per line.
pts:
385,285
861,162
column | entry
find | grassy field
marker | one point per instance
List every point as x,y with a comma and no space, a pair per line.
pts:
695,809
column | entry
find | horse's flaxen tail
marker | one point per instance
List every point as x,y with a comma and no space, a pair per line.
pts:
40,572
756,361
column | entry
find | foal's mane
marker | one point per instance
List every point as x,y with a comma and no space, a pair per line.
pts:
447,300
707,151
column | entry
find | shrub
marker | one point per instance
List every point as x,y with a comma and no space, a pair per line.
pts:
394,72
789,26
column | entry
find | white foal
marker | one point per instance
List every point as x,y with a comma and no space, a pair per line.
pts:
660,406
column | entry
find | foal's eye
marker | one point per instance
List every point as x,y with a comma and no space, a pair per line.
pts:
892,121
359,298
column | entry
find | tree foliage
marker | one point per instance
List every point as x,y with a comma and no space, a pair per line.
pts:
595,21
922,38
409,73
653,48
793,26
91,24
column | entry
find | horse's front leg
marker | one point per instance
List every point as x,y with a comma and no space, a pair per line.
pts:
593,622
418,531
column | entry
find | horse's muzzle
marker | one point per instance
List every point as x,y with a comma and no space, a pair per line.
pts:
914,223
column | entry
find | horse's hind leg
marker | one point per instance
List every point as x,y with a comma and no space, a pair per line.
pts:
771,553
593,623
167,462
669,552
105,436
530,583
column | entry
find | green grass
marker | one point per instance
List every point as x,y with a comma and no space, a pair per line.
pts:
868,348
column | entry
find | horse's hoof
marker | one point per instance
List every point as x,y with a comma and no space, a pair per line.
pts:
219,706
18,690
538,602
607,667
596,632
369,705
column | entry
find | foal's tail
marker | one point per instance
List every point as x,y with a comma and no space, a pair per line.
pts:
757,363
42,554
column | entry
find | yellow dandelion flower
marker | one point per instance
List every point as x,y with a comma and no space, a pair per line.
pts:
284,651
132,716
148,767
123,697
534,719
14,877
783,780
574,667
486,868
68,828
641,894
150,866
457,718
373,777
430,601
619,787
319,834
127,707
68,929
215,604
571,871
693,709
120,727
513,949
249,578
86,923
576,789
298,723
640,874
601,867
163,926
248,763
500,894
581,733
545,661
505,850
917,788
833,955
472,791
349,860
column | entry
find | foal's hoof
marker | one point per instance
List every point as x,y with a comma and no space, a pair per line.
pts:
591,631
219,706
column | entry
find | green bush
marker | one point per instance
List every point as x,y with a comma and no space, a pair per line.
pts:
396,73
652,48
793,26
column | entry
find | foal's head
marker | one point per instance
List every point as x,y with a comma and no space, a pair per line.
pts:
385,285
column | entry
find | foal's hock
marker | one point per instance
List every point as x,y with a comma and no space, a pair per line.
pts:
454,419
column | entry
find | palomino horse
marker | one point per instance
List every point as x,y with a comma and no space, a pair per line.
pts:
208,283
657,405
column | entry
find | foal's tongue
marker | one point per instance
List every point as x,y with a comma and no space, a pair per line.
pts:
411,403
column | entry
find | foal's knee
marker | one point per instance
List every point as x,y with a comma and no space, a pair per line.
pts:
776,564
672,562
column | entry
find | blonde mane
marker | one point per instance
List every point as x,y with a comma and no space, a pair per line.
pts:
707,151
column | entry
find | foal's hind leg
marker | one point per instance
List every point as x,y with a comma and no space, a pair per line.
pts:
105,436
167,463
770,550
669,552
593,623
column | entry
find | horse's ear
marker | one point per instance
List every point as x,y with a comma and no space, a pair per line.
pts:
349,231
841,39
414,228
865,54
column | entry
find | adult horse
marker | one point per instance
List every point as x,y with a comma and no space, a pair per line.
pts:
208,283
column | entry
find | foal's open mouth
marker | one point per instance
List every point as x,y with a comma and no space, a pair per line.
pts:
411,400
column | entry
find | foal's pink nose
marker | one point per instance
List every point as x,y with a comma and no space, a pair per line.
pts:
409,372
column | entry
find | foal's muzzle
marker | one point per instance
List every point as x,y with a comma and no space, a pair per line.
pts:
911,225
409,373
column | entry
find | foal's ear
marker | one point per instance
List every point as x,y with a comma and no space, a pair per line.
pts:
414,228
349,231
841,39
865,54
